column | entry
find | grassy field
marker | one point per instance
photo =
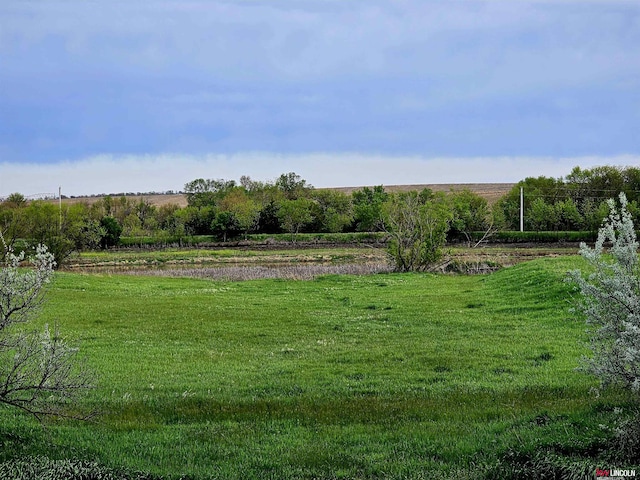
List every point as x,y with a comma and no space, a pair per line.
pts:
377,376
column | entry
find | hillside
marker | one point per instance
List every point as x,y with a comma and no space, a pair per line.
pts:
491,191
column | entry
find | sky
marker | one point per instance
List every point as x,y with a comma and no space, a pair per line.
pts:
111,96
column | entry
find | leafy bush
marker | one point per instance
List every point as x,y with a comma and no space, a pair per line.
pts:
417,228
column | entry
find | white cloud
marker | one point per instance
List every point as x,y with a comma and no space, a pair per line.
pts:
145,173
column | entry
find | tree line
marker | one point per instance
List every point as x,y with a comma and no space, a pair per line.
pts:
577,202
225,209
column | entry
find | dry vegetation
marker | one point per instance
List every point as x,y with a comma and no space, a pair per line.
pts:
258,272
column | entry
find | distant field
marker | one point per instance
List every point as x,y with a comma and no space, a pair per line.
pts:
157,200
491,191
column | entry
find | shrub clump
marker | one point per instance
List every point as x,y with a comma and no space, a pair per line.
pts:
610,300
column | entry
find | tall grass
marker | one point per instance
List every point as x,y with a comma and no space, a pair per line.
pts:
378,376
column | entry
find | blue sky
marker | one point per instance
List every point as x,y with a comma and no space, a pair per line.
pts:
102,96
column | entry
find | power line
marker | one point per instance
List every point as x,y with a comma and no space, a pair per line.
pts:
41,196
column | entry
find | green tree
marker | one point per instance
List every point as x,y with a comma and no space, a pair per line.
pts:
540,216
268,197
12,219
196,220
107,205
146,211
268,221
470,213
15,200
546,188
225,224
568,216
332,211
417,230
631,178
132,226
202,193
112,232
170,223
600,183
185,221
606,181
293,186
593,213
251,185
294,214
42,225
242,207
122,208
367,208
79,227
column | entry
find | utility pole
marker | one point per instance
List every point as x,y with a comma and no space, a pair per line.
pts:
522,209
60,209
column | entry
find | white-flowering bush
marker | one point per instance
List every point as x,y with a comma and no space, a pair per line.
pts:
39,372
21,290
610,300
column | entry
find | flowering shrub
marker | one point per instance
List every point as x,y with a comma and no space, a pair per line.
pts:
39,373
610,300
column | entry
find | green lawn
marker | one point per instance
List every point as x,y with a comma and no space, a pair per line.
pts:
381,376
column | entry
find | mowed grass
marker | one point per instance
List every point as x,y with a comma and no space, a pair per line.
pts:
380,376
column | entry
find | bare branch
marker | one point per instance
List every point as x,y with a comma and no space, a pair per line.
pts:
39,373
